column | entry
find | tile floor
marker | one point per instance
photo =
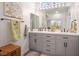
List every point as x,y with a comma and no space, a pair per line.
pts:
35,53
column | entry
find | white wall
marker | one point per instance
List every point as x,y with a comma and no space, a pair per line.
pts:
74,11
5,37
5,33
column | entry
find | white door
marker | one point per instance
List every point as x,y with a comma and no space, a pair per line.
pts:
72,48
60,48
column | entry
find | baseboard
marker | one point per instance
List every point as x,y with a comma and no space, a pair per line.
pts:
26,53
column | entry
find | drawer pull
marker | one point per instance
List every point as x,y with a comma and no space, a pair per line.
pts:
48,36
66,44
48,45
48,40
65,37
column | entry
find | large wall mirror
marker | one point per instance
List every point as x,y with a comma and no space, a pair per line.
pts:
34,21
57,18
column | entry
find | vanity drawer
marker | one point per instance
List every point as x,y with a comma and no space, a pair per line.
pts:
49,36
49,46
32,35
45,35
49,41
40,34
66,37
50,51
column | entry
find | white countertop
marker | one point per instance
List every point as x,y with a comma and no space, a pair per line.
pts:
60,33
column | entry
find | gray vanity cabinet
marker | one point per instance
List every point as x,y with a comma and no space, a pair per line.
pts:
44,43
36,42
67,45
72,48
51,44
32,41
60,49
39,43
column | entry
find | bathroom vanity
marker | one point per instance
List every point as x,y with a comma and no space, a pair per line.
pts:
55,43
57,32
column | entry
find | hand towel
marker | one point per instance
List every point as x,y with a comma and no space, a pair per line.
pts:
15,28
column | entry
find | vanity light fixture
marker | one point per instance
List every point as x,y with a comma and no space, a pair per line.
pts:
48,5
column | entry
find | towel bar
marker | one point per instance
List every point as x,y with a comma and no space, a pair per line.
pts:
8,19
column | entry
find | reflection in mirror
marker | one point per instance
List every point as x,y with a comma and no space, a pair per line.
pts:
57,19
34,21
55,25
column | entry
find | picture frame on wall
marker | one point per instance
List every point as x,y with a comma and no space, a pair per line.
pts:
12,10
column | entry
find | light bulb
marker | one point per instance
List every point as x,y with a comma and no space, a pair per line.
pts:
57,12
52,6
59,5
63,4
55,6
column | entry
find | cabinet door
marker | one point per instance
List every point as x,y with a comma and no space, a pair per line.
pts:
32,41
39,43
60,49
72,46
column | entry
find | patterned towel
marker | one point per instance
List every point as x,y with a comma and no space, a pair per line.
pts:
15,27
